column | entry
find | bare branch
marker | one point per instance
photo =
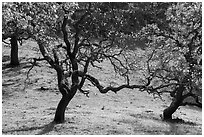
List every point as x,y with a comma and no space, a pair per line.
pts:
44,53
93,65
85,92
52,63
96,83
6,42
85,71
6,36
148,60
113,58
34,64
167,85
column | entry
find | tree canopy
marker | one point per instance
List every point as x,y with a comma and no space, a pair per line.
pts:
176,54
15,21
74,36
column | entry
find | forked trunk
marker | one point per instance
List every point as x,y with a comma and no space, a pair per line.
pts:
67,95
168,112
14,51
66,91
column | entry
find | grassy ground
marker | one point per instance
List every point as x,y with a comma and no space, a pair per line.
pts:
29,110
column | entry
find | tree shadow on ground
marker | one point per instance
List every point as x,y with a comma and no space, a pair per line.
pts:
12,78
22,65
174,125
6,95
6,62
5,58
45,129
179,121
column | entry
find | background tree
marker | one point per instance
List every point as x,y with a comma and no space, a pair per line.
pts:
176,51
15,27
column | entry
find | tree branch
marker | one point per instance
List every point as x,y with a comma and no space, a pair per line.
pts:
96,83
84,72
52,63
6,36
95,66
85,92
65,34
6,42
190,94
44,53
76,26
34,64
192,104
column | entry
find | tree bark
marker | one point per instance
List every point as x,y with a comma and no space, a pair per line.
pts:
67,95
168,112
177,101
60,112
14,52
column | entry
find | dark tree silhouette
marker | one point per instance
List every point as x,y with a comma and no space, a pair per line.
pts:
14,27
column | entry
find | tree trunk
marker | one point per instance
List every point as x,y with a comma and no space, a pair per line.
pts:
66,91
60,112
67,95
14,52
168,112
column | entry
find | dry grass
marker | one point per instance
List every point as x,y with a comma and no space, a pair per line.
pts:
30,111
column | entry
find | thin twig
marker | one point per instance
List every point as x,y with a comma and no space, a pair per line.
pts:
33,64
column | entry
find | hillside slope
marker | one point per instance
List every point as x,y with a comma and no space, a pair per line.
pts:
29,109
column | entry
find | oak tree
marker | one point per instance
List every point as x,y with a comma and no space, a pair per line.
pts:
15,26
74,36
176,49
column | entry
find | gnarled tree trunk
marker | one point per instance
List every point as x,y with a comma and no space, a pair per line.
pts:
66,91
14,51
168,112
60,112
67,95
